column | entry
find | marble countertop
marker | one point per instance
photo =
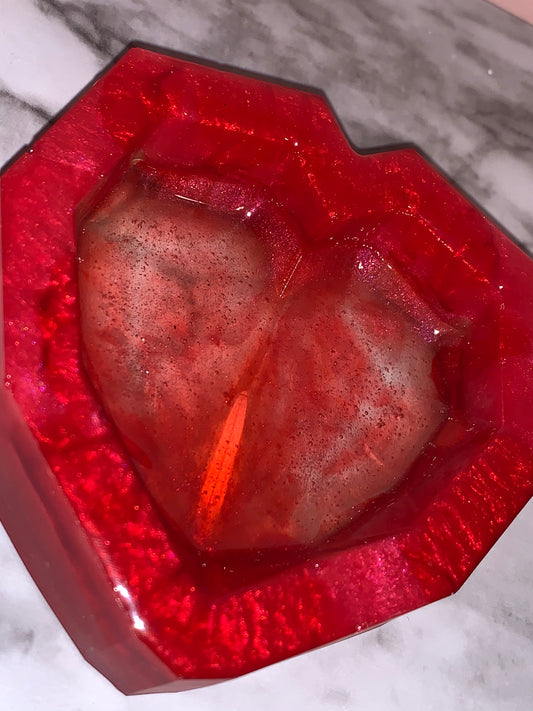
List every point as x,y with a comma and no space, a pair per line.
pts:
454,77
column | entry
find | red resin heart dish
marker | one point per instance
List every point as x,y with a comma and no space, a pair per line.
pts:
261,392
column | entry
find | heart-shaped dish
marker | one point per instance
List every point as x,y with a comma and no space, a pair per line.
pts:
261,392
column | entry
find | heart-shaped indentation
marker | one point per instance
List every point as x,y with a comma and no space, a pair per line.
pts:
260,411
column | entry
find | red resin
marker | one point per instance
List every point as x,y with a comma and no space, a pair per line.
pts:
163,589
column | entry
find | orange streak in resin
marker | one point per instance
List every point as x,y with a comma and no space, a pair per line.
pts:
220,467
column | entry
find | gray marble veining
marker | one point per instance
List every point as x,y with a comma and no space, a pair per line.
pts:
453,77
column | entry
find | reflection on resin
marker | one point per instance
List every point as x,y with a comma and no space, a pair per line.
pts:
260,411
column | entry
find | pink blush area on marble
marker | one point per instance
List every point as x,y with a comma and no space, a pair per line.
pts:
520,8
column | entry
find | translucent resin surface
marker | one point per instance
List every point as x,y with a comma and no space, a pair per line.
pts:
265,391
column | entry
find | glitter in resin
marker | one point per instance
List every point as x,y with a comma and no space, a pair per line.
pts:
146,607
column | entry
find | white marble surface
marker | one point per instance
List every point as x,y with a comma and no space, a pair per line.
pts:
455,77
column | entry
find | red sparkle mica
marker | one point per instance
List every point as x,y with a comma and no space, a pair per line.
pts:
261,392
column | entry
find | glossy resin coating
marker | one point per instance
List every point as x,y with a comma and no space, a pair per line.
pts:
261,392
